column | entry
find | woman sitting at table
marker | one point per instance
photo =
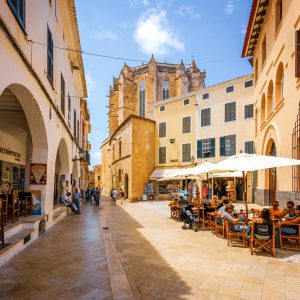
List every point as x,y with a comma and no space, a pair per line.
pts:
275,211
264,218
288,226
290,211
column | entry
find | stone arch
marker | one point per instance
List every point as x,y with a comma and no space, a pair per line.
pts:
279,92
263,109
270,99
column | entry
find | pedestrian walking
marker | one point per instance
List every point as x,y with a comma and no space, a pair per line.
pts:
76,200
121,196
97,196
114,194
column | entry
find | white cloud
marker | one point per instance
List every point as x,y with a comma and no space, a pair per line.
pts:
90,83
153,34
97,155
188,11
106,34
229,7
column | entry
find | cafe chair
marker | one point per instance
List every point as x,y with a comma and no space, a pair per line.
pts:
262,238
235,237
14,210
220,229
286,238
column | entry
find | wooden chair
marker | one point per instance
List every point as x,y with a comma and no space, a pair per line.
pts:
208,218
14,210
263,238
220,229
284,237
235,237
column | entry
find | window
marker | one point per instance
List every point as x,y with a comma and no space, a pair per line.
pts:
263,51
256,70
74,125
248,111
49,55
18,9
142,98
69,110
205,96
120,175
249,147
256,120
205,117
297,54
230,111
186,124
206,148
186,152
165,87
229,89
98,178
227,145
162,108
78,131
120,149
162,155
162,132
248,83
62,94
270,99
186,101
113,152
278,14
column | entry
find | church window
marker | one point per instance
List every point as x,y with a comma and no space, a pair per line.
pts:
165,86
142,98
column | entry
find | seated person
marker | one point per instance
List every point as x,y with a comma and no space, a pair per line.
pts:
214,201
288,229
221,207
290,212
67,200
275,211
182,201
227,214
264,218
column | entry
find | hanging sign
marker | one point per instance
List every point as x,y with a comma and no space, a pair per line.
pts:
38,174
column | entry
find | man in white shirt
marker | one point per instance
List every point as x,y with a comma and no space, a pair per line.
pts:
67,200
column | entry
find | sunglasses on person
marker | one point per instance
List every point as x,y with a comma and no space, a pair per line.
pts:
290,206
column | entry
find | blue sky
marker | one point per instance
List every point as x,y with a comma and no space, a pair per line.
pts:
211,31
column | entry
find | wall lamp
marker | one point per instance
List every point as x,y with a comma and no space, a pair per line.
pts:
172,141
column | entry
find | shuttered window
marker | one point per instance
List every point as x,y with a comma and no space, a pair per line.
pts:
249,147
230,89
205,96
228,145
186,124
49,55
69,110
18,9
205,117
248,111
206,148
162,129
162,155
297,54
62,94
162,108
186,152
248,83
230,111
186,101
74,125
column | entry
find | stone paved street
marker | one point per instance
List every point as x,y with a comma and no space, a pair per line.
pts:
162,261
67,262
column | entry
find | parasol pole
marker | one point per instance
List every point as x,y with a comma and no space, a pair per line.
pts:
207,186
245,193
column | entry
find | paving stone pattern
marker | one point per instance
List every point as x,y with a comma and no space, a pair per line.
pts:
162,261
66,262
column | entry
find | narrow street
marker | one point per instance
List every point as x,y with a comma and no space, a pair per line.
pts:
67,262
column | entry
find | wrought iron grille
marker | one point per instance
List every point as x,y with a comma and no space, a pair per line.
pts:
296,153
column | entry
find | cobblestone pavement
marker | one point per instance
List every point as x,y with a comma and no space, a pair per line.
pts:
66,262
162,261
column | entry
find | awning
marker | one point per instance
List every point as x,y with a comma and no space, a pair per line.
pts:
157,174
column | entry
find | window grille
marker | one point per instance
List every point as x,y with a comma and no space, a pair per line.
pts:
296,153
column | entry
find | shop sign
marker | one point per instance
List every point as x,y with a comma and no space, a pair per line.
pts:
11,154
38,174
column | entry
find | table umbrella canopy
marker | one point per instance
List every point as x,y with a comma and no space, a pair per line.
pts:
253,162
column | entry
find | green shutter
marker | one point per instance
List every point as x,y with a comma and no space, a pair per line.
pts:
199,149
222,146
232,145
212,147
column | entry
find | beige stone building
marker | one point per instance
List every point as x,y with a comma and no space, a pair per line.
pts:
130,120
273,44
97,176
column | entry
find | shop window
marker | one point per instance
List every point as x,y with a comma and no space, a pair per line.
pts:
205,117
186,152
49,55
18,9
142,98
162,131
228,145
162,159
165,87
249,147
186,125
206,148
230,109
248,111
62,94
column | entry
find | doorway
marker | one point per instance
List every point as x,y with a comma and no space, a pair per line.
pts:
272,176
126,186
